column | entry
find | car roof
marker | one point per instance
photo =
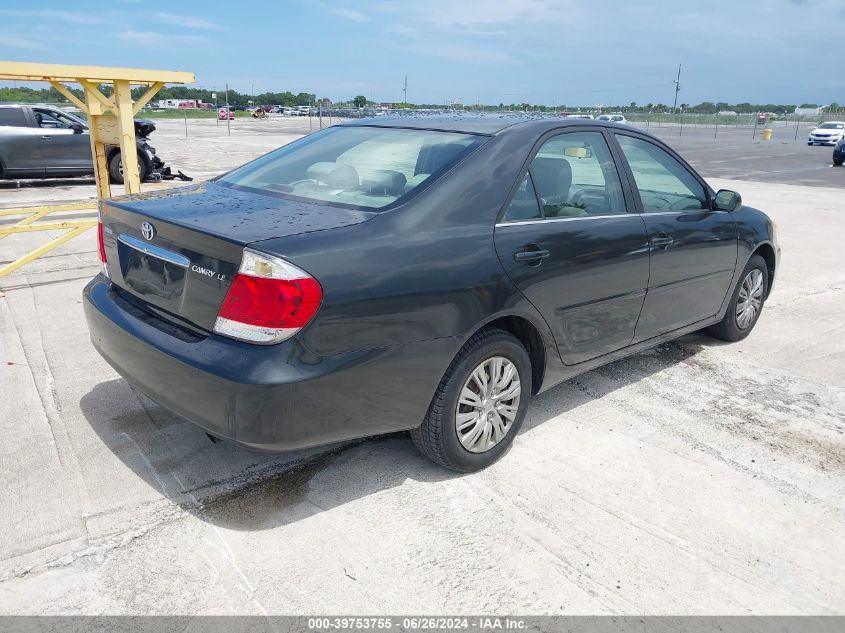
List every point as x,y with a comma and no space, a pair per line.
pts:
10,104
491,123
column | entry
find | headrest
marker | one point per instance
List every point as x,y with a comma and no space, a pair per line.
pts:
335,175
386,182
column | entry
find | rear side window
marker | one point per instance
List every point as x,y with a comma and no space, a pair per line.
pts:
524,204
663,183
359,167
575,175
13,117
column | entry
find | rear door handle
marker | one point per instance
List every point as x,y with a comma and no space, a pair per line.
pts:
47,138
662,239
533,256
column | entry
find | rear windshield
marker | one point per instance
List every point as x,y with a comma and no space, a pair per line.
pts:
359,167
832,126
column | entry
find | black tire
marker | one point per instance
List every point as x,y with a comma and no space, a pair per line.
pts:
437,437
729,329
838,161
115,174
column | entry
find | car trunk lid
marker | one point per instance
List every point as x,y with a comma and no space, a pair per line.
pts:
178,251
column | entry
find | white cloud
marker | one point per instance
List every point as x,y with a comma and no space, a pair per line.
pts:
20,42
188,21
70,17
351,14
154,39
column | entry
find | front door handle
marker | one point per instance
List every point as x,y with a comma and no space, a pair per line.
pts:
662,239
47,138
532,257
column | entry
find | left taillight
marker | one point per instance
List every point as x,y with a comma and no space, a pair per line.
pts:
101,244
269,300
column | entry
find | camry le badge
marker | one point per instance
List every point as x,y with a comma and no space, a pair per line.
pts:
148,231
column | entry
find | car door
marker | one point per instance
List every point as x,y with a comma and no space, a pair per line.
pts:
20,144
570,244
693,249
65,151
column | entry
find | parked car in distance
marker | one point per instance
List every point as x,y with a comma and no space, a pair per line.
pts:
839,152
612,118
578,115
40,141
429,274
762,118
827,133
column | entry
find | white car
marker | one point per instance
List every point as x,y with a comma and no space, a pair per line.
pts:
578,115
613,118
828,133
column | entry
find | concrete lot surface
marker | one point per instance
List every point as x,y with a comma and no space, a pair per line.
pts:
695,478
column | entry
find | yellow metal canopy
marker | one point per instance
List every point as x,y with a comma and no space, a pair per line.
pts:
110,120
27,71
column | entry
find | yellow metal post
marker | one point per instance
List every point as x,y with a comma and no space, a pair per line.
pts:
128,149
98,148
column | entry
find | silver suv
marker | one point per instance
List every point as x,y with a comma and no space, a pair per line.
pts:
40,141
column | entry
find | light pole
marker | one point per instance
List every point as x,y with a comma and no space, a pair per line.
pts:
677,83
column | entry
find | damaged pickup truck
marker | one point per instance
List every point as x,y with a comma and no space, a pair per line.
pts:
39,141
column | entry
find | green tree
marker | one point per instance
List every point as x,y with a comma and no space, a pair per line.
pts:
360,101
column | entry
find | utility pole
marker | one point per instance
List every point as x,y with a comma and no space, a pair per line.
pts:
405,90
677,83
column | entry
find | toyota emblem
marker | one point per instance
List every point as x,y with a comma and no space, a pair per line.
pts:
148,231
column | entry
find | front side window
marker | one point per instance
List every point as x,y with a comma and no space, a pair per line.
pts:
50,119
663,183
363,167
575,175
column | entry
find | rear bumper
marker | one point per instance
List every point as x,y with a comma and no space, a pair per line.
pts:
270,398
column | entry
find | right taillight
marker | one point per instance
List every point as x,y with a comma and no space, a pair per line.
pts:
269,300
101,244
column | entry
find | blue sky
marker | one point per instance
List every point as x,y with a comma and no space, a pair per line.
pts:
574,52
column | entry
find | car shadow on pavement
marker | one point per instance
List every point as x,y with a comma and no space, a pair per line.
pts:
233,487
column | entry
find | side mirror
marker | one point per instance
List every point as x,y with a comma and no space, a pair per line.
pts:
77,128
727,200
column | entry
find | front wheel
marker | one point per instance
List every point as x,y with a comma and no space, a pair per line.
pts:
116,168
746,302
479,405
838,161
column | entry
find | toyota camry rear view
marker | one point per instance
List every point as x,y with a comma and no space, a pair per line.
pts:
424,274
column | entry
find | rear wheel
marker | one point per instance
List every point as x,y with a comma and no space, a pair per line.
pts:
479,405
746,302
116,168
838,161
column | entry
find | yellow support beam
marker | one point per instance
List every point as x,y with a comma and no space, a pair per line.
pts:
70,206
38,252
69,96
128,149
92,90
26,71
46,226
145,98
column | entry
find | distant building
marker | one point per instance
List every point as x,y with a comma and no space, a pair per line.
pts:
179,104
726,113
808,111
